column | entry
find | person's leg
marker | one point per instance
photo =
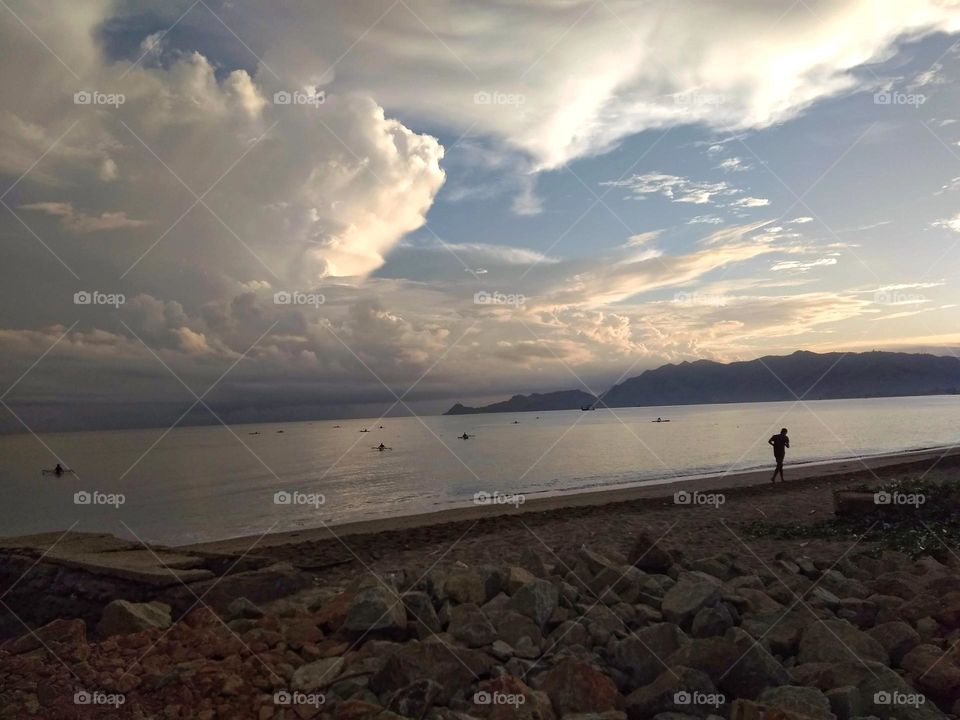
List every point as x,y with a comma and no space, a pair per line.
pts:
780,468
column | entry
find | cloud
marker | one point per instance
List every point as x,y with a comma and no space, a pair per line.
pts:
951,223
802,266
590,75
643,238
750,202
676,188
78,222
734,164
803,220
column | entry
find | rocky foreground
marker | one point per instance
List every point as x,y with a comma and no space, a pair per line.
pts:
587,635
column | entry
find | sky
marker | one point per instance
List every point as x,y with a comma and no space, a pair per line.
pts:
245,211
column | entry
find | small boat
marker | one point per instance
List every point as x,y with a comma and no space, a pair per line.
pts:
364,430
586,407
659,420
254,433
381,449
53,471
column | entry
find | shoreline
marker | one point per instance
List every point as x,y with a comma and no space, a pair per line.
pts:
653,490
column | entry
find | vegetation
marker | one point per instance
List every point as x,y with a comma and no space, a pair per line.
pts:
923,516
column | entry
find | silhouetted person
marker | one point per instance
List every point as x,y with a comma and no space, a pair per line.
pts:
381,447
58,470
780,444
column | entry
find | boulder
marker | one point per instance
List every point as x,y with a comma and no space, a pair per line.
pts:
508,698
420,613
121,617
536,600
316,675
242,608
470,626
574,686
711,621
838,641
678,690
474,584
934,672
259,586
647,554
897,638
416,699
452,667
754,671
375,610
511,627
806,701
641,656
685,599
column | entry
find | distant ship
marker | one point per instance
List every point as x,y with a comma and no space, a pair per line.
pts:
587,407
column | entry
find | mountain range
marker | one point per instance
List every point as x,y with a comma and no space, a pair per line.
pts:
801,375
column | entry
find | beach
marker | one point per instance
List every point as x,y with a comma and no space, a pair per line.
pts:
492,533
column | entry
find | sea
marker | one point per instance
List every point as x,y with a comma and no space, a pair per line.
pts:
198,484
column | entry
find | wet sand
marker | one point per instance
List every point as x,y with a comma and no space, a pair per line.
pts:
603,519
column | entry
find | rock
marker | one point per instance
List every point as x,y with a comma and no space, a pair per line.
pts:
516,578
575,686
679,690
686,599
452,667
416,699
536,600
805,701
63,637
241,608
570,632
420,613
934,672
375,610
511,626
750,710
470,626
844,702
533,563
641,656
779,632
753,671
121,617
509,698
711,621
259,586
758,602
647,554
838,641
317,675
473,585
897,638
501,651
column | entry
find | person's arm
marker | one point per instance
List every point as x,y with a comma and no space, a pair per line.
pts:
787,441
770,441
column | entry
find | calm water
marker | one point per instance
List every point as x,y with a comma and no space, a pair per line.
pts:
200,484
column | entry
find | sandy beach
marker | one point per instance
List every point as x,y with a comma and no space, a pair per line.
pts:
605,518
